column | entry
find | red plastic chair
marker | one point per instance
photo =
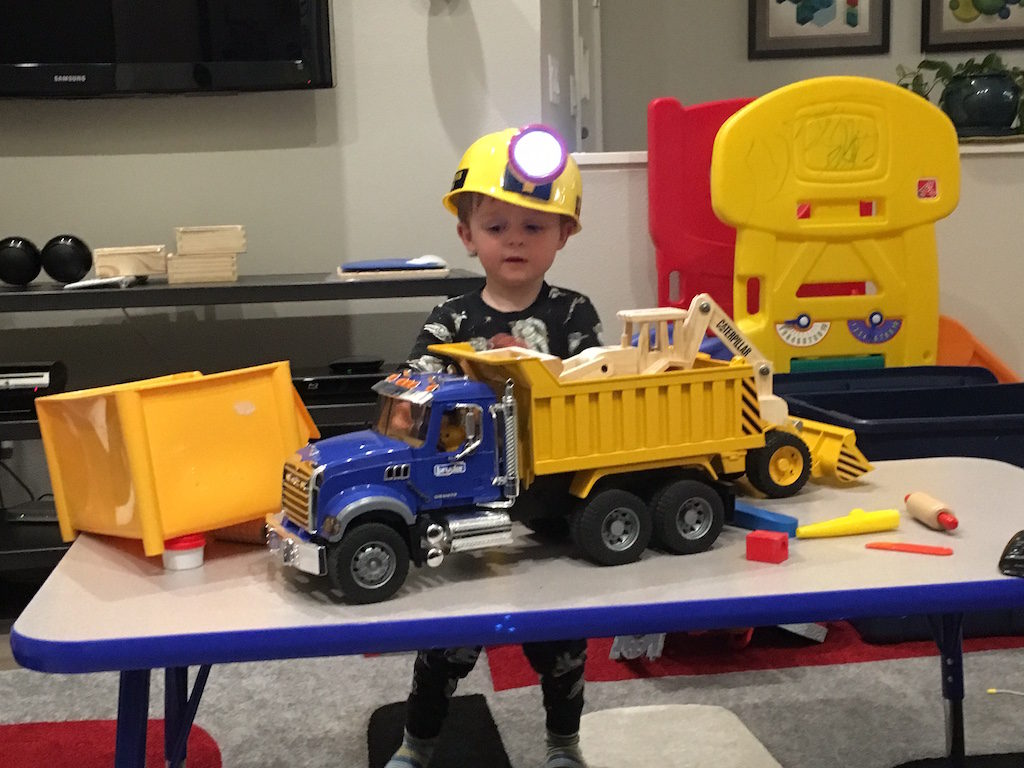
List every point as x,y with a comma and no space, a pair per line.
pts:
693,249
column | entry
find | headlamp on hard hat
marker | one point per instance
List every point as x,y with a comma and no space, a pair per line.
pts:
537,155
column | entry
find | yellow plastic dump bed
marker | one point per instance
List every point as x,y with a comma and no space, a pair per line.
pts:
179,454
628,420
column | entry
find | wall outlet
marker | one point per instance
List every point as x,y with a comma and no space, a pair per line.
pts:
554,89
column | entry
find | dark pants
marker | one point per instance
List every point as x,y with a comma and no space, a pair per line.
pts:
437,673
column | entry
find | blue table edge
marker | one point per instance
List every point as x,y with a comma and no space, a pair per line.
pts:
309,641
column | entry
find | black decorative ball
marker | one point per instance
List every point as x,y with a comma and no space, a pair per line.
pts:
20,261
66,259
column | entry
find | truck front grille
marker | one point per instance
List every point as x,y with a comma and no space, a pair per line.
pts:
297,491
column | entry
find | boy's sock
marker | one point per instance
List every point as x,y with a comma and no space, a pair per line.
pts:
564,751
414,752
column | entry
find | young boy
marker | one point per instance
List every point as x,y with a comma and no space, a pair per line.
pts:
515,224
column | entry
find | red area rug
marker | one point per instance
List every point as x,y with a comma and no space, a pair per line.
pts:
714,653
90,744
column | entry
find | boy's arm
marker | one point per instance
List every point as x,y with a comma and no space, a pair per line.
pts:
583,325
436,330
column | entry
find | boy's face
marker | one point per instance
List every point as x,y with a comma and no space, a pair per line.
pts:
516,246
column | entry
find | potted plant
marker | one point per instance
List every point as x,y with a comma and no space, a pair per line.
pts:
982,98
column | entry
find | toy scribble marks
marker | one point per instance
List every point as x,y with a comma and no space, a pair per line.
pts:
844,154
840,142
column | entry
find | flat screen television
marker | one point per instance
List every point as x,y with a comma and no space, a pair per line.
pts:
83,48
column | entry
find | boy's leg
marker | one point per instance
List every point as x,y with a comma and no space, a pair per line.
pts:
435,676
560,665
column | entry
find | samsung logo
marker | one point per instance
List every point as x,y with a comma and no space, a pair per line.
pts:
69,78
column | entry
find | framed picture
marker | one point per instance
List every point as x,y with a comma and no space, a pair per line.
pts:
780,29
962,25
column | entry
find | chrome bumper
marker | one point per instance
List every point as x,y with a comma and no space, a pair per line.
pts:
293,551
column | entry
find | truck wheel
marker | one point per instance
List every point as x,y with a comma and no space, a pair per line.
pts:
369,564
782,467
613,527
688,516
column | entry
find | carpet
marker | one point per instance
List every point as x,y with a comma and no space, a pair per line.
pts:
90,744
712,653
671,736
469,735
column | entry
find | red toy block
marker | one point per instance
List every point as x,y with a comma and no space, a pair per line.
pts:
768,546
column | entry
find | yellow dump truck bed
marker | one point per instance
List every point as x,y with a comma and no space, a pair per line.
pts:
710,409
185,453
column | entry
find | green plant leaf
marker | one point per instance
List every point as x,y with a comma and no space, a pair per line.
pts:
918,86
993,63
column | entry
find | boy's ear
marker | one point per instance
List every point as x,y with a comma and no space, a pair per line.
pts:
568,225
466,236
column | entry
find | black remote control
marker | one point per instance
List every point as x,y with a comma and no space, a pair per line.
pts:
1012,560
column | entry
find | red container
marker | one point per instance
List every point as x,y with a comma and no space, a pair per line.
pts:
768,546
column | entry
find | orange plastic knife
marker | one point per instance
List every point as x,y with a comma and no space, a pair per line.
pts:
918,549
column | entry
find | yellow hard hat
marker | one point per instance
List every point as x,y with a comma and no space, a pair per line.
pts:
527,166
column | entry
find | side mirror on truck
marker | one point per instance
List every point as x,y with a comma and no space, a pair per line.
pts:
471,421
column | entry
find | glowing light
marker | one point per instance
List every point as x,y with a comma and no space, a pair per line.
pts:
537,154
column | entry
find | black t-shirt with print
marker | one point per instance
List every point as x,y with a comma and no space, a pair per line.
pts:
560,322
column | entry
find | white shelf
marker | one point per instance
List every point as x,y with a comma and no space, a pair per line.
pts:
1014,146
638,158
605,159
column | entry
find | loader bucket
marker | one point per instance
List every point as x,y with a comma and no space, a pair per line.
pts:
834,451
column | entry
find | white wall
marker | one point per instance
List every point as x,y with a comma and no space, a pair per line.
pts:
612,258
981,270
697,51
318,178
556,46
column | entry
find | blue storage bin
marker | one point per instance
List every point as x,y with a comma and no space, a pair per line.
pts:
911,377
959,419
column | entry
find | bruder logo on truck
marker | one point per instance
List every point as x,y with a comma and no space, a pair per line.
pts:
447,470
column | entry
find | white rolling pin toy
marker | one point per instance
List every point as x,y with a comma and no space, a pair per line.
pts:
930,511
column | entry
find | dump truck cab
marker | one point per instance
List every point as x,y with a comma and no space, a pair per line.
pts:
448,439
357,507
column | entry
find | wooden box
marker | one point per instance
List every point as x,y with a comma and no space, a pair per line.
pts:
228,238
130,260
202,268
